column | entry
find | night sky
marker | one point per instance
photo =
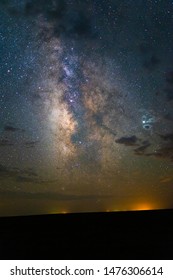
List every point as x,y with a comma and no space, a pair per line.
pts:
86,105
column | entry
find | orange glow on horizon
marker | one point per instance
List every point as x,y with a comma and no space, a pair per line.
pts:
58,212
143,206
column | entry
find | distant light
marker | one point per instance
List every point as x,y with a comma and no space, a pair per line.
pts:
58,212
143,206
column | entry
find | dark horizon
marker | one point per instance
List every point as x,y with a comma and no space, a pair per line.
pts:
121,235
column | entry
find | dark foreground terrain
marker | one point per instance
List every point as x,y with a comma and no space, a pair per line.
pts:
120,235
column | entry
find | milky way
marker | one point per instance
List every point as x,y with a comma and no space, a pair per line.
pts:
86,106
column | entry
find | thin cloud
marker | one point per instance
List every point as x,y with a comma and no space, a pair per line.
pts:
142,149
5,143
11,128
127,141
30,144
